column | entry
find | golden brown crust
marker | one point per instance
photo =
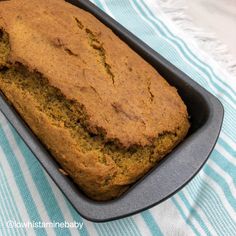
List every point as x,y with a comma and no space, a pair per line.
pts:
122,95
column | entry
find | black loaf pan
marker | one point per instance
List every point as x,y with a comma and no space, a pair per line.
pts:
171,174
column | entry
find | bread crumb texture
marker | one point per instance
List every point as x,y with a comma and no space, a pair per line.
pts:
103,112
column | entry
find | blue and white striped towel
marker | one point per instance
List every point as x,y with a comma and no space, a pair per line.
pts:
206,206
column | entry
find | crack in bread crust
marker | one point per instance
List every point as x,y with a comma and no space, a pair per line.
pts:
97,46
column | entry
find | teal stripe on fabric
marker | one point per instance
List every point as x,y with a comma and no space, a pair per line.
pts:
209,202
2,223
7,216
5,204
77,218
224,164
100,230
118,227
199,62
151,223
228,125
3,219
223,184
229,120
227,147
129,225
216,214
9,200
112,229
2,228
104,229
194,213
21,182
44,189
129,221
188,222
120,224
98,4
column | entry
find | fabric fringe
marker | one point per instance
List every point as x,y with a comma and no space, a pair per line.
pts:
208,42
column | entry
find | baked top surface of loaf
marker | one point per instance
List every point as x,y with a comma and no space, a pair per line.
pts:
103,112
122,95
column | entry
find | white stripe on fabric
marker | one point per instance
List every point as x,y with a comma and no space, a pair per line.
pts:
115,227
150,24
142,226
5,230
7,215
130,223
104,230
186,213
228,140
218,190
213,209
168,209
226,155
17,196
90,227
2,224
10,204
27,175
227,177
118,226
61,201
108,11
199,211
217,194
100,230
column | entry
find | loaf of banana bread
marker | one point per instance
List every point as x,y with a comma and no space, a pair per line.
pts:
102,111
